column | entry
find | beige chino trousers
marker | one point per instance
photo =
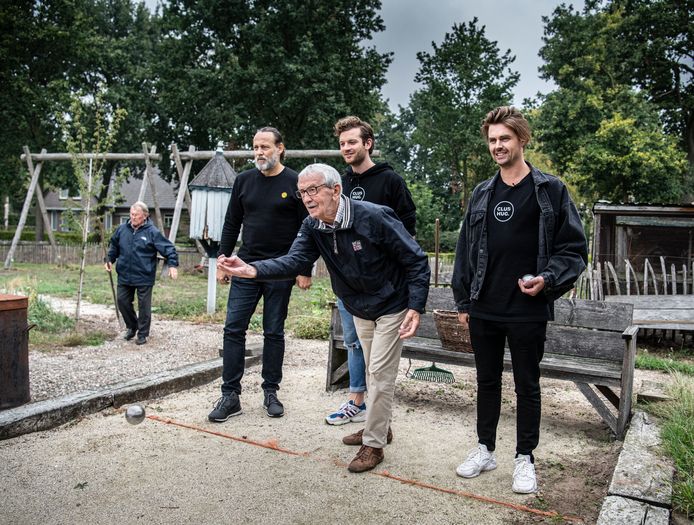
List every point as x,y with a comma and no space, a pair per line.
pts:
382,346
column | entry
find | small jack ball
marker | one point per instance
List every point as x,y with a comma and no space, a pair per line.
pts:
527,277
135,414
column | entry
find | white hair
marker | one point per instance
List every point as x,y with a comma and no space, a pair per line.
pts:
330,175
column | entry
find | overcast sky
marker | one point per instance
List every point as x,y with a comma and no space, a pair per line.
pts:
412,25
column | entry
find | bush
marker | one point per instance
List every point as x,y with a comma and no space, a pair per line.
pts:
307,327
45,318
27,235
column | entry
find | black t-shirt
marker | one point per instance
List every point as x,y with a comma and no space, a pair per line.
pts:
269,212
512,243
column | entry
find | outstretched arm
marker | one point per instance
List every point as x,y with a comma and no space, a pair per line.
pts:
236,267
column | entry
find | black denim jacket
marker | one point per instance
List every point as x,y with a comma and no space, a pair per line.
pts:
562,248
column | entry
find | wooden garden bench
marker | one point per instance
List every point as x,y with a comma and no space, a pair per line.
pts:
591,343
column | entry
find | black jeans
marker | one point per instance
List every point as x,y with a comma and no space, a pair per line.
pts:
526,341
126,296
244,296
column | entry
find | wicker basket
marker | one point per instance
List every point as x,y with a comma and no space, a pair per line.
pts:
454,336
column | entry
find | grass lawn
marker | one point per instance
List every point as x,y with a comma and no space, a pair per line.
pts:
184,298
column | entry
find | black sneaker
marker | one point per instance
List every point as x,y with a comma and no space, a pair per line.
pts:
141,339
272,405
225,407
129,334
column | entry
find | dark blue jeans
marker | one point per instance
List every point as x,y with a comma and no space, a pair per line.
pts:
244,296
526,341
126,296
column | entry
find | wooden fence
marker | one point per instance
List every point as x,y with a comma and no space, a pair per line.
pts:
601,280
43,253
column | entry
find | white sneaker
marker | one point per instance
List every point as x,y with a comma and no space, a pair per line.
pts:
524,480
347,413
479,460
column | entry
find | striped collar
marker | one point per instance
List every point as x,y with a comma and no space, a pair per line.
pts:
341,217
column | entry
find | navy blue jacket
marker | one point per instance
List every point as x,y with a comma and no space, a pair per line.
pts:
136,252
562,249
375,266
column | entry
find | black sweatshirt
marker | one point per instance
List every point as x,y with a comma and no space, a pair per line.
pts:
269,211
381,185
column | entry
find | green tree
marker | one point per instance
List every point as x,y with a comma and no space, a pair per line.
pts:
98,138
629,160
643,44
44,51
463,79
298,65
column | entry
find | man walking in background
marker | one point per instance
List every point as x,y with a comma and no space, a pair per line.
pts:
521,247
263,202
365,180
135,245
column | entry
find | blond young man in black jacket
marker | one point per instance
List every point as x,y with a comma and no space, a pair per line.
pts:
521,246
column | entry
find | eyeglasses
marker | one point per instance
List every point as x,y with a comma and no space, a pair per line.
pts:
310,191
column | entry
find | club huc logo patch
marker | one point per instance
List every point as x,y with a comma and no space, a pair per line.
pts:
357,193
503,211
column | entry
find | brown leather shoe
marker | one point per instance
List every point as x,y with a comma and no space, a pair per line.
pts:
356,438
366,459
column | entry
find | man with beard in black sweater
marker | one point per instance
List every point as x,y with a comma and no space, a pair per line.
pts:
263,201
365,180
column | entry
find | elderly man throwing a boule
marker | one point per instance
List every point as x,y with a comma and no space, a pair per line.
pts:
377,269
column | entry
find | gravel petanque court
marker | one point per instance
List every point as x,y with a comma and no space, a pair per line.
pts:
177,467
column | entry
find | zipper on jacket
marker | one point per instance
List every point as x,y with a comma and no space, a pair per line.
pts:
335,243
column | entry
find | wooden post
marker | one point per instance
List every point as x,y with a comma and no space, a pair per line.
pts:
630,270
647,268
184,187
42,205
152,187
183,175
662,268
24,214
674,278
615,277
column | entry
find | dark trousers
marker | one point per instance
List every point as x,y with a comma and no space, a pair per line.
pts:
526,341
126,296
244,296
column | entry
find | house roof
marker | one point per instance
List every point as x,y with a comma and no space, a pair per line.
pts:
683,210
166,196
216,175
128,193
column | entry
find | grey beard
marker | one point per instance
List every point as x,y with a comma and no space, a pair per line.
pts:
266,165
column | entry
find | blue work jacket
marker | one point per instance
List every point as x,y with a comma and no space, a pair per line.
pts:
136,253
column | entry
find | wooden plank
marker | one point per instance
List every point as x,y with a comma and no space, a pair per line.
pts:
598,405
290,153
40,157
23,215
656,302
593,314
552,365
614,276
42,206
152,186
340,374
585,342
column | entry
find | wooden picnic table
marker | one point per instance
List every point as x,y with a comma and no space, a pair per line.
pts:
661,312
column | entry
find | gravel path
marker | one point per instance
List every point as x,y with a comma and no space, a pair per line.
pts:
172,344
